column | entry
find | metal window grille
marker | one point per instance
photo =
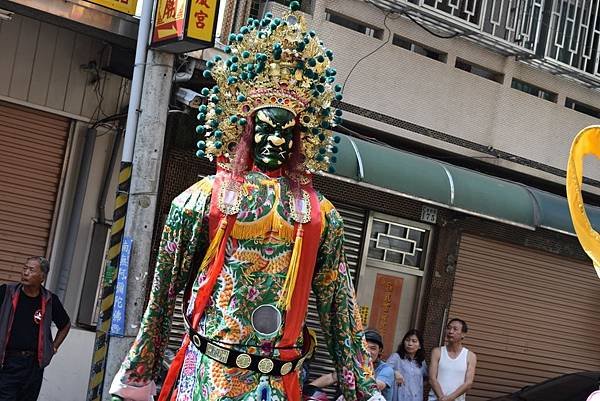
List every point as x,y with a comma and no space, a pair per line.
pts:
398,243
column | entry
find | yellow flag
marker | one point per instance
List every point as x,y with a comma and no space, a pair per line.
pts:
587,142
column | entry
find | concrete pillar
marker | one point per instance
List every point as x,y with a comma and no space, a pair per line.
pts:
141,211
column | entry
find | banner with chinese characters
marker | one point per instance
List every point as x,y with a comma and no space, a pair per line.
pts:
117,326
185,25
385,307
124,6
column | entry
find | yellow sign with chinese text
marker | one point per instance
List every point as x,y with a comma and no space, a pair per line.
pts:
202,20
124,6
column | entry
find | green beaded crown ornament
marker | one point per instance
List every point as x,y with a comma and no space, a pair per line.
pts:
272,62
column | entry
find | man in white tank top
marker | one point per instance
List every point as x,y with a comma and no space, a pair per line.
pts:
452,367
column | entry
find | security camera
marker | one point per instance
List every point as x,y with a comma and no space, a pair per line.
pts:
189,97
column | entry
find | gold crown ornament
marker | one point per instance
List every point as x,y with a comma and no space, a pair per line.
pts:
273,62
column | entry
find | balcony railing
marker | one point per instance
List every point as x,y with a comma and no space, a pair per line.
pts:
562,36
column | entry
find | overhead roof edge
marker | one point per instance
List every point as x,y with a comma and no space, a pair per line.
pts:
431,181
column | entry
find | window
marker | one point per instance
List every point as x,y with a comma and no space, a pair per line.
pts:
419,49
353,24
582,108
257,7
479,70
399,244
533,90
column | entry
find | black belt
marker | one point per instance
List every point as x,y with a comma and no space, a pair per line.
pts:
26,354
260,364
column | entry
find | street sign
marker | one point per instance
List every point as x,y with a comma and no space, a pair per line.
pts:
117,326
183,26
124,6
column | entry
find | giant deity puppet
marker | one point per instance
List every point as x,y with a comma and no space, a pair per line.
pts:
248,244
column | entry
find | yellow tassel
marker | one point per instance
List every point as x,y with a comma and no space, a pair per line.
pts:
252,229
214,245
260,228
292,274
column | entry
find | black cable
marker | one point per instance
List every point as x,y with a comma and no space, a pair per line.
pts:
437,35
113,117
410,17
389,31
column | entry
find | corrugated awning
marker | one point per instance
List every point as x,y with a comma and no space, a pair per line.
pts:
456,188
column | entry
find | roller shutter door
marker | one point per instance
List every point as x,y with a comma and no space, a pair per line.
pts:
354,226
531,315
354,223
32,150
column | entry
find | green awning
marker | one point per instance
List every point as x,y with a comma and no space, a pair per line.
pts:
554,212
488,196
455,188
406,173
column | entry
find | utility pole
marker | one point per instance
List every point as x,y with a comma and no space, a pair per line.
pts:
135,204
143,199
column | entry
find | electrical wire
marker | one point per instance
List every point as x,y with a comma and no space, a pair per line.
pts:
410,17
389,31
110,118
99,84
437,35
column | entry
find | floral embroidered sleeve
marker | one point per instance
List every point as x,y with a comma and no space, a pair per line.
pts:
339,313
184,235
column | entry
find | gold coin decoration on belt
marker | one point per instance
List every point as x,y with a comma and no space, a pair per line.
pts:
243,361
265,365
286,368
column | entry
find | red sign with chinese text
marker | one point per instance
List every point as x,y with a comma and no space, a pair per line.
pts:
170,20
385,307
185,25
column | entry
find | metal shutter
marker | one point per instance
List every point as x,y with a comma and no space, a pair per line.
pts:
354,226
531,315
354,223
32,150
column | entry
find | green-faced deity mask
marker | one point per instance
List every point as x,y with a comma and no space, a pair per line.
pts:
273,132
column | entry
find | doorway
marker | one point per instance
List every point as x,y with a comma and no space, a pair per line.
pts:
390,287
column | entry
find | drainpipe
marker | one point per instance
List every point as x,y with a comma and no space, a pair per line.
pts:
85,163
101,212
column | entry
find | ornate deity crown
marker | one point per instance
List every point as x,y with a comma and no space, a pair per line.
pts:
272,62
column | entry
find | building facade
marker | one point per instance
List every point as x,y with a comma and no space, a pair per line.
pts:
62,98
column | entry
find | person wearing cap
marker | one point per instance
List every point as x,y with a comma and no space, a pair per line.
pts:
384,373
27,311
